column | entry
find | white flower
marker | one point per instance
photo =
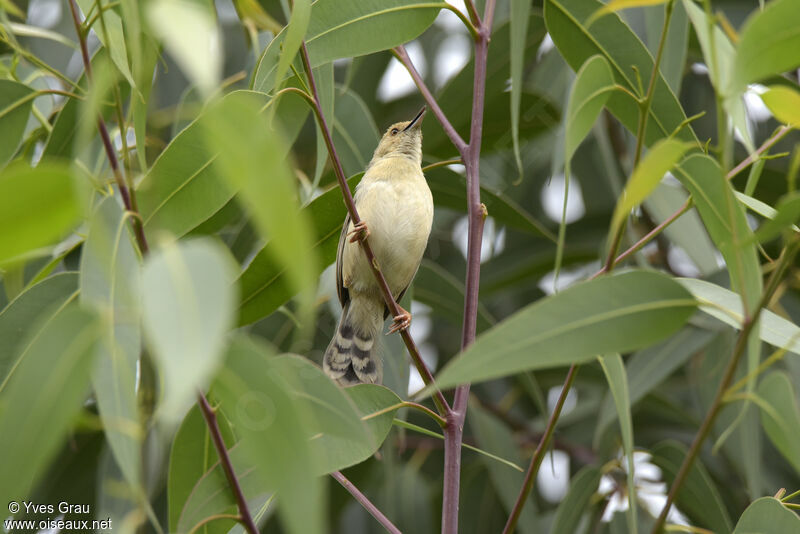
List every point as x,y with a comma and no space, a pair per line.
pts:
651,492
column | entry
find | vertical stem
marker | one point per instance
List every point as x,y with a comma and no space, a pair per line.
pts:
476,213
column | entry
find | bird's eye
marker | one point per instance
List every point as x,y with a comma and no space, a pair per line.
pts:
394,131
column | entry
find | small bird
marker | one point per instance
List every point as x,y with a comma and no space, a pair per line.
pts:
396,210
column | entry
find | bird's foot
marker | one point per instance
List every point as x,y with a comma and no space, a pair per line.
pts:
360,232
401,321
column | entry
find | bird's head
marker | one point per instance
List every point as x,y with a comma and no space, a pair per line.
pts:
402,139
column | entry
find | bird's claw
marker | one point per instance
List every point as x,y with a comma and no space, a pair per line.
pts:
360,232
401,321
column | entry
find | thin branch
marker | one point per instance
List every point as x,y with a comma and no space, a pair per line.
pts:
644,112
473,13
138,229
782,131
365,502
211,421
538,456
476,215
391,303
401,54
741,344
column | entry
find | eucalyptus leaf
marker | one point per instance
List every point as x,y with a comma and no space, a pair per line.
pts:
338,30
109,281
780,415
188,300
577,41
767,511
16,101
41,204
613,314
767,44
51,383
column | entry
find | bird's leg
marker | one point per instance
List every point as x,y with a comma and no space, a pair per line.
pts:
401,321
360,232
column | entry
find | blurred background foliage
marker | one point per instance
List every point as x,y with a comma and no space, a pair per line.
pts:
670,384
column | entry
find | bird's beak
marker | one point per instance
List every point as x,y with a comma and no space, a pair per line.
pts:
416,121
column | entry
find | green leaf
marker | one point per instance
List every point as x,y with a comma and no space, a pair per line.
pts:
699,497
211,494
247,147
60,142
780,415
38,304
610,314
192,455
659,160
785,217
767,515
618,5
51,383
278,406
578,499
188,299
784,103
493,436
190,34
614,369
336,452
649,367
108,28
16,101
355,135
295,31
614,40
593,86
725,221
109,282
767,44
41,204
520,13
719,56
263,283
185,185
726,306
337,30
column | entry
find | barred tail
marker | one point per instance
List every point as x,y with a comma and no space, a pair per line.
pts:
352,356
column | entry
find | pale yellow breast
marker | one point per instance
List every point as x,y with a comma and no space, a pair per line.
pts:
394,200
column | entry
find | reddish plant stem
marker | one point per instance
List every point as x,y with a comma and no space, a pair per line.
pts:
127,199
365,502
452,134
391,303
245,518
476,214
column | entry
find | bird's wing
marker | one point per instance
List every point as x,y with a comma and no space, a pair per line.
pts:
341,291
